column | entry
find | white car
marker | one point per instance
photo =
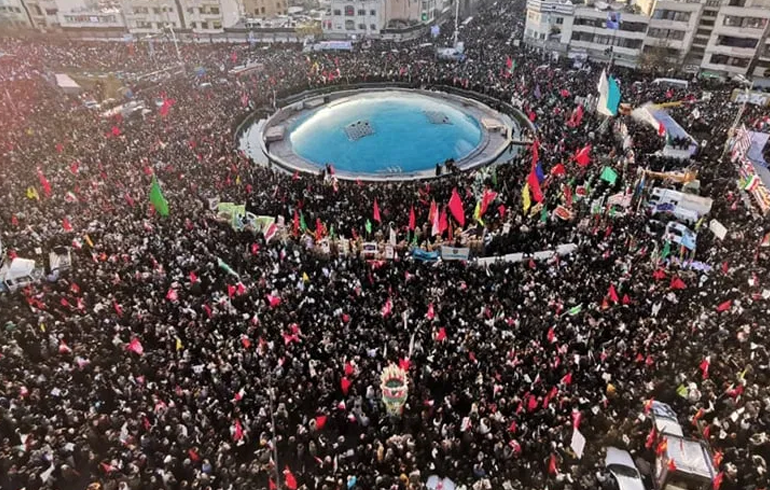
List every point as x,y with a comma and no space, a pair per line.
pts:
620,465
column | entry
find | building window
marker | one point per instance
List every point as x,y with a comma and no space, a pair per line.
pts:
141,24
141,10
361,27
361,12
737,42
204,25
754,22
190,10
737,3
192,25
336,11
719,59
372,27
51,11
559,21
349,11
372,12
156,10
213,10
217,24
350,25
707,23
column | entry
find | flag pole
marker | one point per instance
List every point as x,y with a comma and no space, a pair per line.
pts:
271,394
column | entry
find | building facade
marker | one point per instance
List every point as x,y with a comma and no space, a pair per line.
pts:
198,16
13,13
360,18
723,37
265,8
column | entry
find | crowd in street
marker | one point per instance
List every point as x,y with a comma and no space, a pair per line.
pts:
180,353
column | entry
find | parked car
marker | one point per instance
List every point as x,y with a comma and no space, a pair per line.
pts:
622,468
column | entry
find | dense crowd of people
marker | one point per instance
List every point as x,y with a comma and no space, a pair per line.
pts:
180,353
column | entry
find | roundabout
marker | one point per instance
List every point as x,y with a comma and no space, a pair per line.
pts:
382,134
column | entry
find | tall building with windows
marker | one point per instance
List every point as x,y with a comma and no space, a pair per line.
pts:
198,16
347,18
720,37
13,13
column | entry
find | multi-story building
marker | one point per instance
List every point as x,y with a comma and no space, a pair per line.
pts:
362,18
98,20
614,31
152,16
43,13
13,13
265,8
198,16
347,18
723,37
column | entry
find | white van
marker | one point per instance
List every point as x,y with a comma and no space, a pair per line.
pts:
660,197
18,274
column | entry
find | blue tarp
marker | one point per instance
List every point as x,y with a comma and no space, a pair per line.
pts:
424,255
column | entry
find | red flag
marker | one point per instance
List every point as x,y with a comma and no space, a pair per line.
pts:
230,290
291,482
626,300
552,468
66,224
296,223
613,294
725,306
441,335
650,439
431,313
704,367
671,465
718,480
273,301
271,484
456,207
659,274
118,308
404,364
115,131
376,212
240,289
74,166
486,200
501,210
442,222
44,182
237,430
558,170
345,385
412,219
577,416
662,447
136,346
677,283
583,156
320,422
193,455
171,295
245,341
534,186
193,277
535,149
567,379
661,129
551,336
717,459
532,403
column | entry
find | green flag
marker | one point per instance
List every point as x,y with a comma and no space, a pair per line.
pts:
368,226
302,224
575,310
494,176
666,251
544,215
156,198
331,232
609,175
222,265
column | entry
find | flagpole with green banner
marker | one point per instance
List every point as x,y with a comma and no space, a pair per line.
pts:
156,198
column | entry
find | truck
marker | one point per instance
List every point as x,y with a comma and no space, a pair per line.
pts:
661,197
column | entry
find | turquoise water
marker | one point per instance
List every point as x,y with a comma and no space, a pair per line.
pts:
403,138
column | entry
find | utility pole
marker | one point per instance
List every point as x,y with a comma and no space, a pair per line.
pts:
173,38
457,16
